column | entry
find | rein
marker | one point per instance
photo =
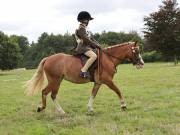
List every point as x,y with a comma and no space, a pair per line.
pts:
100,64
110,54
102,50
100,69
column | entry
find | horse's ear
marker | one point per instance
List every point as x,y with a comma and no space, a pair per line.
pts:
135,43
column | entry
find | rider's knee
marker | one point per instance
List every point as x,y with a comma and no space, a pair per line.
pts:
94,56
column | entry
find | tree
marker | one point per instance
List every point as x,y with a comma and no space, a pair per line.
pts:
112,38
22,41
162,30
48,45
10,55
23,45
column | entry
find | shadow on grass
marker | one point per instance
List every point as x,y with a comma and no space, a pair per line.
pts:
5,74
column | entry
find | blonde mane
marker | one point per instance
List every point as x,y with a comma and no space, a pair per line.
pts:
119,45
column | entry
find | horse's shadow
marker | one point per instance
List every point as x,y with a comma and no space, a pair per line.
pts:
5,74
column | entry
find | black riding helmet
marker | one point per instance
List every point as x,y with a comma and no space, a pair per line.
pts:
84,15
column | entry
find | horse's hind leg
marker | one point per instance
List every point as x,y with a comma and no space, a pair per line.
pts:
45,92
54,94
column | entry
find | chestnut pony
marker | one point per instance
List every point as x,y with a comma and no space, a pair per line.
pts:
62,66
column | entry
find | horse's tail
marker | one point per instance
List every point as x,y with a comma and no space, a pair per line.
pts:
37,81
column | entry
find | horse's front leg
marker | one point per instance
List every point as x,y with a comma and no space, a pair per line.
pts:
112,86
93,95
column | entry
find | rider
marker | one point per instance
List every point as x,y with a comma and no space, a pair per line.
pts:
85,42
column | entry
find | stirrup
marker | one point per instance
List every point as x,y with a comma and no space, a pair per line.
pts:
84,74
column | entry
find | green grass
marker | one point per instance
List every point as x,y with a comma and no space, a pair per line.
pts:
152,96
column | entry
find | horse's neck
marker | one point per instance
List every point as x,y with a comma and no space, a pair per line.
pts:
119,53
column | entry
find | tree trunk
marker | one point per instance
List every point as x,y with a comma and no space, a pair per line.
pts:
175,60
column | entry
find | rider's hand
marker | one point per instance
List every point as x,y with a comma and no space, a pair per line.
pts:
99,47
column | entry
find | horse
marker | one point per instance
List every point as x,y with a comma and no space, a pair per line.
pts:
64,66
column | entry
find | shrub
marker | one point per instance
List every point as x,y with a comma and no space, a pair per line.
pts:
152,56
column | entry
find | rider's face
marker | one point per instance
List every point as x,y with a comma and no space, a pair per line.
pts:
86,22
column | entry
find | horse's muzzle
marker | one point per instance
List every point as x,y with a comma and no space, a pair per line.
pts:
140,64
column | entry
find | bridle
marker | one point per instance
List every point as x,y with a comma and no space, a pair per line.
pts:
135,54
111,56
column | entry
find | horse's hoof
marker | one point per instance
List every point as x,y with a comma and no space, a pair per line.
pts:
38,109
124,108
62,112
90,113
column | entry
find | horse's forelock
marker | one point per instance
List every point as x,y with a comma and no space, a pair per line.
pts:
135,43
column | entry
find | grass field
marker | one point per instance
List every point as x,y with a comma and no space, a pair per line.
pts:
152,96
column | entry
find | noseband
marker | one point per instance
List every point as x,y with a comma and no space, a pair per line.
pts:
135,54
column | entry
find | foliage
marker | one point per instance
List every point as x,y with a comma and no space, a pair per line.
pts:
21,41
152,56
162,32
112,38
48,45
23,44
10,56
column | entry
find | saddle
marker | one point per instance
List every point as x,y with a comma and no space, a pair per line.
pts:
92,68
